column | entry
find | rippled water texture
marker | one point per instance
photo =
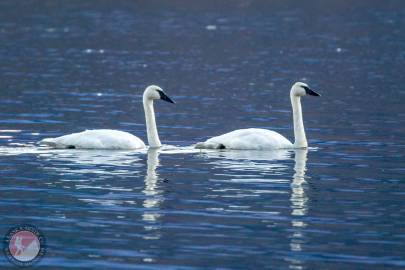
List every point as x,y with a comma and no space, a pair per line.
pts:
67,66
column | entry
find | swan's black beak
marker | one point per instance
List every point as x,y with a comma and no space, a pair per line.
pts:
164,97
310,92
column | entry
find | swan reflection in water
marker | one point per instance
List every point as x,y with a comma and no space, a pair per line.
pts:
261,164
248,160
153,196
104,166
299,207
256,165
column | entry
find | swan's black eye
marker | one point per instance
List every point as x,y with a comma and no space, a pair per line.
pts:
305,88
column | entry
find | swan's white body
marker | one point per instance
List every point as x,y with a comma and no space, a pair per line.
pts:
248,139
263,139
115,139
96,139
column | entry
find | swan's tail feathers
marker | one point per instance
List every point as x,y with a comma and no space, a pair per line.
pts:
52,142
199,145
205,145
48,142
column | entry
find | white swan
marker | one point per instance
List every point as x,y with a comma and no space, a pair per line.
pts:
263,139
115,139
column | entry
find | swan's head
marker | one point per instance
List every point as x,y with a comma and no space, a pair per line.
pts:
155,92
300,89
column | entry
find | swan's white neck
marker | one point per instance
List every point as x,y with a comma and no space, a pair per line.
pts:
151,130
299,132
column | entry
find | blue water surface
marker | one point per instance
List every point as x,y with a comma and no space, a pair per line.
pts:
69,66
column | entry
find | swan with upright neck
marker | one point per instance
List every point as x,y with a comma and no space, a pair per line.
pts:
115,139
263,139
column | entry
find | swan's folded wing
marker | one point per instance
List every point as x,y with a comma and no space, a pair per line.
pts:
96,139
247,139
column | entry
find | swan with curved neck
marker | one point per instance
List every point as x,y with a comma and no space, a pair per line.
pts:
115,139
263,139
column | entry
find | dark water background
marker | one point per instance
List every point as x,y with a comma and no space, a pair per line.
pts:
69,66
